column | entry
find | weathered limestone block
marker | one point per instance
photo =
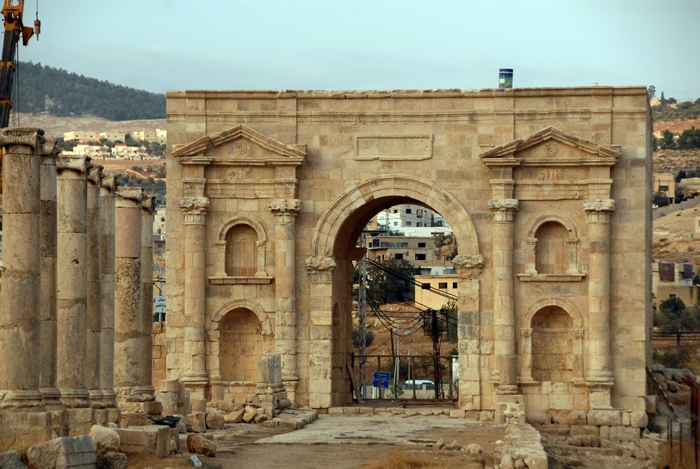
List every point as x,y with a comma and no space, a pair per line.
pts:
132,440
20,430
639,419
80,421
134,419
578,417
11,460
158,440
249,414
199,445
64,452
104,439
112,460
199,424
620,433
604,417
215,420
235,417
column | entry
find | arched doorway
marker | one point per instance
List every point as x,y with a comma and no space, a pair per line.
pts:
330,268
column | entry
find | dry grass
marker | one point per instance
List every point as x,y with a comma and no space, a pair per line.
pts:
410,460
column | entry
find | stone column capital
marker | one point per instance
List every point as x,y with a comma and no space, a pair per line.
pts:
503,209
576,333
290,206
469,266
95,174
148,203
132,194
526,332
316,264
110,183
77,163
49,150
572,241
194,205
599,205
28,136
530,242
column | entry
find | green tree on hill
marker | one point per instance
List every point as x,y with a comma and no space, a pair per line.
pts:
674,317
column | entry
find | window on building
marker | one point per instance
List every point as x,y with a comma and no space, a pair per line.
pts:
408,210
162,219
396,223
398,256
419,212
396,211
420,257
663,188
425,286
421,245
442,285
454,285
408,223
438,257
419,224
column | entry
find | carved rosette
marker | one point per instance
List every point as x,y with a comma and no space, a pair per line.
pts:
599,211
503,209
284,205
469,267
194,208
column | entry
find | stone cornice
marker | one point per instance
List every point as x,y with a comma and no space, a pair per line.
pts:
73,162
284,205
469,266
130,193
95,174
320,264
110,182
148,202
29,136
598,205
194,205
50,150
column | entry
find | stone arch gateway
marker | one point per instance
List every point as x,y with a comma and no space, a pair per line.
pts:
312,167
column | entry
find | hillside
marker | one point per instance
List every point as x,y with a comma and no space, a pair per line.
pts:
55,126
63,94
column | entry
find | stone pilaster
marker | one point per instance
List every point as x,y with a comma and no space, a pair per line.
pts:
195,212
504,315
20,293
107,268
599,376
72,279
47,303
94,293
320,270
285,211
146,382
127,297
469,269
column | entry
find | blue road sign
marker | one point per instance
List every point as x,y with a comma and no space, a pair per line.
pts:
385,384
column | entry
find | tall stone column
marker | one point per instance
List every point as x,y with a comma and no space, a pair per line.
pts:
146,382
94,292
19,296
195,376
504,315
23,421
72,279
107,268
47,302
285,211
127,298
600,375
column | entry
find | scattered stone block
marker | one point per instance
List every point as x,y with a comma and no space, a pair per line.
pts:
200,445
20,430
64,452
473,448
112,460
215,420
134,419
237,416
199,405
80,421
199,423
507,462
439,445
104,439
132,440
261,417
11,460
249,414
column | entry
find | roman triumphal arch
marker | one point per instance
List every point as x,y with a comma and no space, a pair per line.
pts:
547,191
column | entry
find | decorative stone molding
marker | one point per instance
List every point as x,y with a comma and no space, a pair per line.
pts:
148,202
50,149
526,332
73,162
469,266
576,333
95,174
132,193
194,205
284,205
29,136
572,241
599,205
530,243
320,264
503,209
110,182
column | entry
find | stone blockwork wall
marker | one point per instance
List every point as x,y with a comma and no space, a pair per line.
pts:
513,171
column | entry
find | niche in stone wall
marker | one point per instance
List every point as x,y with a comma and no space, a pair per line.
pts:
552,251
552,357
240,346
241,251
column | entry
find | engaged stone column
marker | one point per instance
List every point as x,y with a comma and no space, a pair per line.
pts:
72,279
285,211
47,302
107,268
94,292
600,376
146,382
20,293
195,212
503,314
127,297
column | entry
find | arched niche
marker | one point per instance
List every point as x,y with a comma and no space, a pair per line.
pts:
230,269
551,251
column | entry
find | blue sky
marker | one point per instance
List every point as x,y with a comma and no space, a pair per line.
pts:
160,45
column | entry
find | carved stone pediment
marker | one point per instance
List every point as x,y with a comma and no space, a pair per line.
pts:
551,147
240,146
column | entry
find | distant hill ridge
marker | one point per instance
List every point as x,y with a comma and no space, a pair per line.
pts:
60,93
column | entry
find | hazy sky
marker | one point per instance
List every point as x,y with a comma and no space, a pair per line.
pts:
160,45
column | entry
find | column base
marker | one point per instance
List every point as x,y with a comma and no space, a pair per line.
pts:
197,383
109,397
96,399
52,399
19,430
21,399
291,388
75,398
599,394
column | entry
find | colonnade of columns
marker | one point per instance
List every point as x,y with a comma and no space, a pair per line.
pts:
61,291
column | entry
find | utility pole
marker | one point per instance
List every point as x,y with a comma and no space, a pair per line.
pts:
362,311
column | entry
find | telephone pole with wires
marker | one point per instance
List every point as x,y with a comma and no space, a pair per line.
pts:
362,312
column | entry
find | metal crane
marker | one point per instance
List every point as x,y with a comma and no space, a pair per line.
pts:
12,12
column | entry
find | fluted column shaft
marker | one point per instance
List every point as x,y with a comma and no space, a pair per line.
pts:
285,211
195,212
146,381
94,315
107,268
504,314
127,295
47,302
20,293
72,279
